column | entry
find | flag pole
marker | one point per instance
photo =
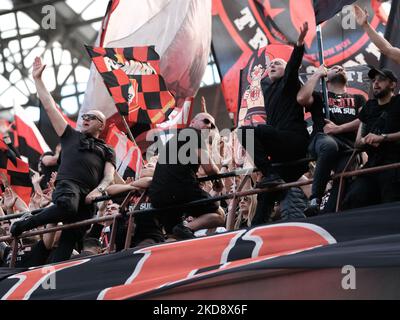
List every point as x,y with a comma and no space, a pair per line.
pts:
128,130
323,80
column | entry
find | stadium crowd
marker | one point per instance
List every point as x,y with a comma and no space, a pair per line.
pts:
67,183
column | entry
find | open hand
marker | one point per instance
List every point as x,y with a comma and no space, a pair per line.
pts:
303,33
361,15
38,68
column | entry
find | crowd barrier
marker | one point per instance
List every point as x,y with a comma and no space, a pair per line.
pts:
235,195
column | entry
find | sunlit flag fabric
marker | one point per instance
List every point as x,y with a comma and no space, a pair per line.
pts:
132,77
16,171
129,159
180,30
30,141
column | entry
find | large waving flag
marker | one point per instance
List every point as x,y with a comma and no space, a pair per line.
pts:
132,76
180,30
129,159
30,141
16,171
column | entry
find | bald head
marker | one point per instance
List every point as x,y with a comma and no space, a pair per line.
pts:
203,120
276,69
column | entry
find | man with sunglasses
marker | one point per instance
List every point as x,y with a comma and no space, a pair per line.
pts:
379,136
86,168
174,181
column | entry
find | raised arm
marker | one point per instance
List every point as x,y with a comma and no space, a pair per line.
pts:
294,63
383,45
55,116
305,95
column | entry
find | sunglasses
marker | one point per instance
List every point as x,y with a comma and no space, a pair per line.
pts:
91,117
207,121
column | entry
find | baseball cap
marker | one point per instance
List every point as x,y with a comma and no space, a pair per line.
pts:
383,72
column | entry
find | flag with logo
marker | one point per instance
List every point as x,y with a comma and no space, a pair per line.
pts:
132,77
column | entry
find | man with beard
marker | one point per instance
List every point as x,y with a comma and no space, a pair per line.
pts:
284,137
379,135
330,138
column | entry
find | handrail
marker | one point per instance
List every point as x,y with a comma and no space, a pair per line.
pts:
198,202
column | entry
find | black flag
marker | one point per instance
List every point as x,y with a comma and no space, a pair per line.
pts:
326,9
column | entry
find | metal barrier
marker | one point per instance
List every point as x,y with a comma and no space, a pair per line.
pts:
235,195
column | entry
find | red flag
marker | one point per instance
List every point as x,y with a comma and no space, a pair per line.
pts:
30,141
128,155
17,173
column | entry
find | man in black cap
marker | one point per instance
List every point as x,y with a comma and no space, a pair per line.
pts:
379,136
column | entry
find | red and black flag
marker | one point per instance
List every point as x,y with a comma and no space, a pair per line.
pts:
31,143
132,77
16,171
129,159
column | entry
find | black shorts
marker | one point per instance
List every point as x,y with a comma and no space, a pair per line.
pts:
172,217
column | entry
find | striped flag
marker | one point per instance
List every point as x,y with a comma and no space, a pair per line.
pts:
16,171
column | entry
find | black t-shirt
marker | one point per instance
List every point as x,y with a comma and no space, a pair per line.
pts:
343,108
83,158
281,106
380,119
177,163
